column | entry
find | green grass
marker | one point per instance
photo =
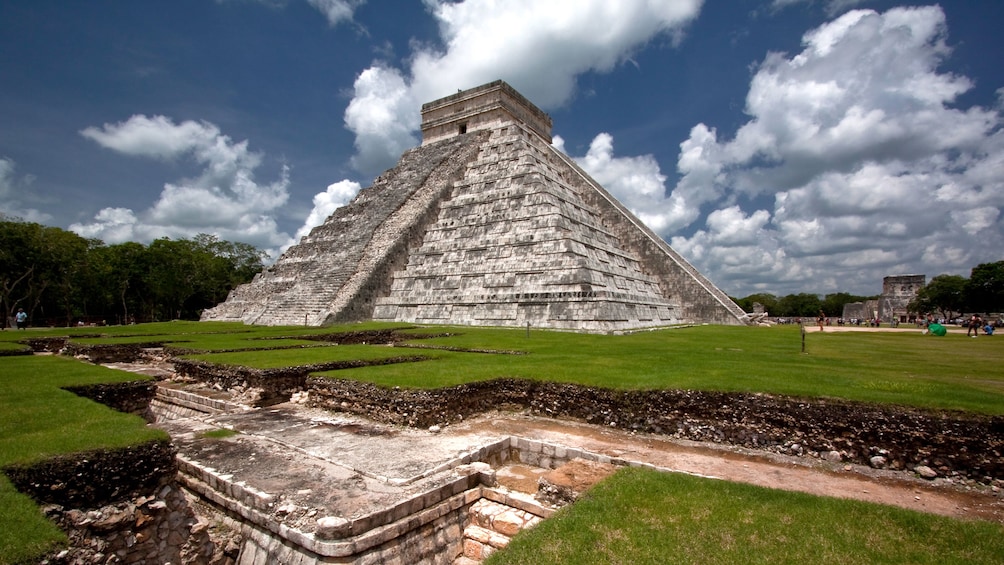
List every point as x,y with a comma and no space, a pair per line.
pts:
199,336
39,420
219,433
318,354
907,368
646,517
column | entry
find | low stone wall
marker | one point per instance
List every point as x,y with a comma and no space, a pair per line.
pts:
155,529
119,506
895,437
265,387
431,526
94,478
132,397
426,528
108,353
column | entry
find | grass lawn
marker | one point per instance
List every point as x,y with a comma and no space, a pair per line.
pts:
39,420
306,356
903,368
645,517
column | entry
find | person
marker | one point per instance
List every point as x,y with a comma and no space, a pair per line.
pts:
21,318
820,318
974,326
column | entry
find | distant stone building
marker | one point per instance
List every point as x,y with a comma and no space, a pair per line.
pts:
897,292
892,304
485,224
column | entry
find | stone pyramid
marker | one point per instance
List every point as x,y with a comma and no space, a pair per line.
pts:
485,224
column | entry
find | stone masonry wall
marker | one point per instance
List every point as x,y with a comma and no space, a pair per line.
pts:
952,443
515,244
699,299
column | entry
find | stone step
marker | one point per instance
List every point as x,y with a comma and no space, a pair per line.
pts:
500,518
480,542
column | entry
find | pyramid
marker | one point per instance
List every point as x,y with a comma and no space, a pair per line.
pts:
487,224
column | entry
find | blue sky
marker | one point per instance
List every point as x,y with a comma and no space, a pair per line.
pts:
782,146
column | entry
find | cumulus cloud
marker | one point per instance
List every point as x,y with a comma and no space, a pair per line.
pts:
637,182
538,47
16,196
384,116
325,203
871,166
224,199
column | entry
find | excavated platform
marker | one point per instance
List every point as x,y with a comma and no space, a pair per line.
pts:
325,463
342,488
305,464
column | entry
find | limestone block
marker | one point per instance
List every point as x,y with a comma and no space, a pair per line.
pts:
332,527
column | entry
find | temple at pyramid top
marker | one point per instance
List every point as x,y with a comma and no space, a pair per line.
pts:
485,223
481,108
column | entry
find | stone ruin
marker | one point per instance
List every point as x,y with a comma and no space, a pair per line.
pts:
343,471
485,224
893,305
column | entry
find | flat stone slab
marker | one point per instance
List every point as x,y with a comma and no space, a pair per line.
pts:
319,464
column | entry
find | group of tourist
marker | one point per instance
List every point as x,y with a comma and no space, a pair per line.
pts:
975,324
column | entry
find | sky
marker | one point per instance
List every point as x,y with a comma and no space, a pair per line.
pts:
781,146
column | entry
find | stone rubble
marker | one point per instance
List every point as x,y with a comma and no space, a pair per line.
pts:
148,530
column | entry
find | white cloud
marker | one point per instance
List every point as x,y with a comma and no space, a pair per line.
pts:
538,47
15,194
833,7
636,182
383,115
224,199
871,166
325,203
337,11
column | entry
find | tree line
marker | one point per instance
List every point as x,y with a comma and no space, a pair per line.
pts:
951,295
60,278
801,305
947,296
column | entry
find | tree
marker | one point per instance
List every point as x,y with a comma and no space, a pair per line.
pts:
64,259
802,304
121,270
54,273
225,265
22,283
985,291
768,301
944,294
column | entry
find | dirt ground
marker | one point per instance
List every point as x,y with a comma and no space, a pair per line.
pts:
765,469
